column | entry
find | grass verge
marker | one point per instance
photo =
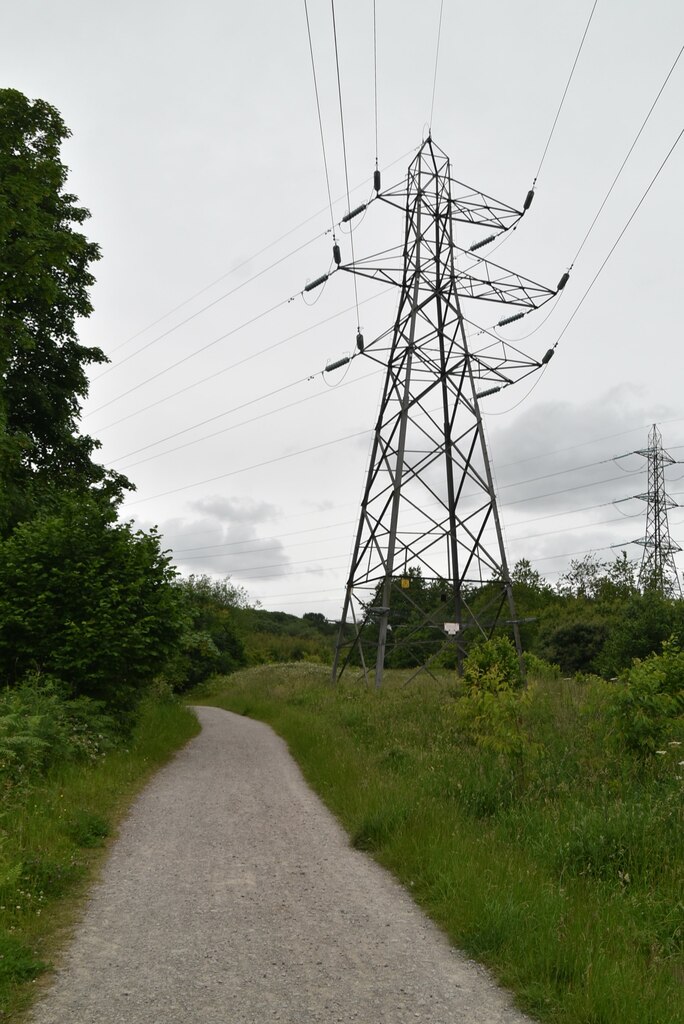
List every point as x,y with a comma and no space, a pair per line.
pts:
53,834
543,848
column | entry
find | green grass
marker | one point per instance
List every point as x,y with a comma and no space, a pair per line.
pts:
53,832
542,847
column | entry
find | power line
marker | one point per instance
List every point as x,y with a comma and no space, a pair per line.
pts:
629,153
257,465
247,261
565,92
567,490
320,119
277,546
238,362
234,426
618,239
344,156
292,533
211,419
191,355
375,81
434,79
210,305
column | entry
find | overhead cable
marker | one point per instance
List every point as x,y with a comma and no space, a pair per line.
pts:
240,362
618,239
320,119
434,78
209,305
629,153
257,465
191,355
344,156
565,92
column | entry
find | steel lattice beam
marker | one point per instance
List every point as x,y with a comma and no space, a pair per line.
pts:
429,517
658,569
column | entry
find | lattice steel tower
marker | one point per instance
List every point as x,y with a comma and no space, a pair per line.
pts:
429,539
658,568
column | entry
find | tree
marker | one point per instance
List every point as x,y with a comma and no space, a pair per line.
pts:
45,275
583,578
87,601
210,642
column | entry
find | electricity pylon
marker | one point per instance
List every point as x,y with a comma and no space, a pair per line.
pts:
658,568
429,520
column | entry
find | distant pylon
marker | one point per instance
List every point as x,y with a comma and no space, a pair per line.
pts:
429,539
658,570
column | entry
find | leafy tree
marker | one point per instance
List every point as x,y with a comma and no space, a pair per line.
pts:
645,622
650,696
574,644
583,578
532,595
210,643
320,623
45,275
87,601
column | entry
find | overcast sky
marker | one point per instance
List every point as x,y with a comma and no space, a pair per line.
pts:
196,147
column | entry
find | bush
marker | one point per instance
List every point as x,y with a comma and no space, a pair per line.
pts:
210,644
648,697
492,665
538,668
86,600
40,727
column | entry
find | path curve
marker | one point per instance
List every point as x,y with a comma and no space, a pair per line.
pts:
232,896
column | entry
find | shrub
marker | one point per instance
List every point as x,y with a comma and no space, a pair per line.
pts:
539,668
492,665
40,727
87,600
648,697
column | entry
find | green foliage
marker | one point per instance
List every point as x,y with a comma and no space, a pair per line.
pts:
210,643
17,962
649,697
86,600
41,728
492,665
88,829
574,644
44,280
538,668
278,637
490,712
644,623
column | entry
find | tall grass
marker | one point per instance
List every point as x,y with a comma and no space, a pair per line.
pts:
53,830
542,846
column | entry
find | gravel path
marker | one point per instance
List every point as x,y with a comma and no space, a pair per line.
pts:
233,897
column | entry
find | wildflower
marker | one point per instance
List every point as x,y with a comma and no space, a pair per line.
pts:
674,743
661,751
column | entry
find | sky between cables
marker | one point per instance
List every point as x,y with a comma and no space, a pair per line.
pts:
210,147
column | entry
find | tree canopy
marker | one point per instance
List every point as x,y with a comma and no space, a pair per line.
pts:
45,277
85,601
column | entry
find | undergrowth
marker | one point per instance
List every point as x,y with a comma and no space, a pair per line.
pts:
538,825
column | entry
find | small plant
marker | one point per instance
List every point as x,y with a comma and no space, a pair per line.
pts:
88,830
17,962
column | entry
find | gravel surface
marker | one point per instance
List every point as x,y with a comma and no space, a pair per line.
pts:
232,896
